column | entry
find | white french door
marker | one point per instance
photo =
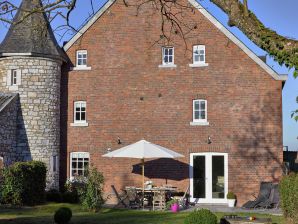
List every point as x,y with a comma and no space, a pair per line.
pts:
208,177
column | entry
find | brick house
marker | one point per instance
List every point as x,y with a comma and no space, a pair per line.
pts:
218,104
211,99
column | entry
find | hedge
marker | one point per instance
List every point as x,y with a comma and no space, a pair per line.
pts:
24,183
288,189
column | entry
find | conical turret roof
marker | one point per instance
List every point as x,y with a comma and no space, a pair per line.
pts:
31,34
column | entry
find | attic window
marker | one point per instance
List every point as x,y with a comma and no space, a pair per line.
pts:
82,58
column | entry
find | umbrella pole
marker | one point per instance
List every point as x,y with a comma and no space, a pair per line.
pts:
143,174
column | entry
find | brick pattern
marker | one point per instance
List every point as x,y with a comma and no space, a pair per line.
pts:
244,102
38,109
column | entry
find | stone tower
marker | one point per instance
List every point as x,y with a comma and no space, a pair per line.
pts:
30,71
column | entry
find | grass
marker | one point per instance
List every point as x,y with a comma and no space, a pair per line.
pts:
44,214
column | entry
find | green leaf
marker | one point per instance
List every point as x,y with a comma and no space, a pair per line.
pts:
295,74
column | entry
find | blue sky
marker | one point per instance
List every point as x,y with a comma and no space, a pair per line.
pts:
279,15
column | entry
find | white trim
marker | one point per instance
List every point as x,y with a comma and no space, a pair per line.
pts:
85,155
208,174
212,19
199,47
197,121
17,54
80,68
168,66
79,122
82,124
81,52
198,65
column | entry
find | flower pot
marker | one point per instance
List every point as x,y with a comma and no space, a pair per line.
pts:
231,203
175,207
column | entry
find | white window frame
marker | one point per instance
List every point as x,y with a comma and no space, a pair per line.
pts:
194,110
14,77
78,154
198,63
74,112
163,56
77,58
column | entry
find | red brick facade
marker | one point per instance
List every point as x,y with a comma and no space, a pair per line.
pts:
129,96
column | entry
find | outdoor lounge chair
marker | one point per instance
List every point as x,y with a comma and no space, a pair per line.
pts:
264,193
120,197
273,201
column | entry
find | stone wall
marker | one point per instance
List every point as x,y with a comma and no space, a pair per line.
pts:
38,118
8,131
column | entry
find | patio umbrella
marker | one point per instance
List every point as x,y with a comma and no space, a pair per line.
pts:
143,150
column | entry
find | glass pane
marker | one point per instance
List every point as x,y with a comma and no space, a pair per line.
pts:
80,165
218,178
202,115
84,55
84,61
83,116
199,185
78,118
202,105
197,105
170,51
197,115
166,59
74,165
86,165
80,172
202,58
196,57
170,59
202,51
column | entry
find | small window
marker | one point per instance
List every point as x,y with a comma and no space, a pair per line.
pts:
82,58
199,54
80,112
14,77
54,163
79,164
168,55
199,110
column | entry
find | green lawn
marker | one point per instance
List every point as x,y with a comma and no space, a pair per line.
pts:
44,214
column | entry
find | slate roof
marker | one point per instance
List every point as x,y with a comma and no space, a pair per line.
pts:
5,100
31,35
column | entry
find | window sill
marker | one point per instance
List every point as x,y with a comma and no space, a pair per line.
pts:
83,68
198,65
199,123
167,66
79,124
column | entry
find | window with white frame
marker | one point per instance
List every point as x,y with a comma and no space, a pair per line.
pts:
14,77
199,54
79,164
199,110
168,55
82,58
80,112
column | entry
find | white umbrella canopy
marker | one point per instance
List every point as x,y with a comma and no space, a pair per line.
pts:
143,150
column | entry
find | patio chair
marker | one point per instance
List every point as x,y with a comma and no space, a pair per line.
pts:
264,193
273,201
133,198
159,200
120,197
183,201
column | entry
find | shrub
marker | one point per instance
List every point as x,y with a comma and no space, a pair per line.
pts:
231,195
288,189
91,195
24,183
70,197
53,195
202,216
62,215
